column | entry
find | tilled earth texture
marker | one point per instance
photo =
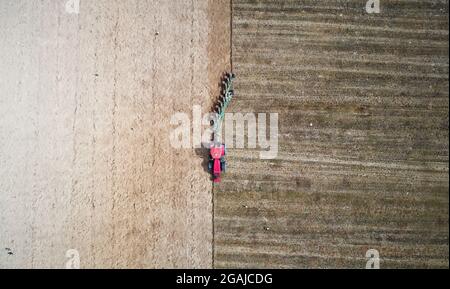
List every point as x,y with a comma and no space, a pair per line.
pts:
363,147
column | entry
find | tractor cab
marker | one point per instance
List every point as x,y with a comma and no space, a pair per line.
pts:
217,163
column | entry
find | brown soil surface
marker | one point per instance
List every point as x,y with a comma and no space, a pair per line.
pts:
363,146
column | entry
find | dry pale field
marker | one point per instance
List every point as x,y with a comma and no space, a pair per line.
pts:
85,107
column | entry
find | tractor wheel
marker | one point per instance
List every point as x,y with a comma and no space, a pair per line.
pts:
210,166
223,166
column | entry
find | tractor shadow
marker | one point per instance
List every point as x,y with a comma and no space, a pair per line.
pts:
203,153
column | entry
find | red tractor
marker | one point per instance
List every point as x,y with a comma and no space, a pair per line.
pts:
218,150
217,164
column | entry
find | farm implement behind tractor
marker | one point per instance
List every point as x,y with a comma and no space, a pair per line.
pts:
218,150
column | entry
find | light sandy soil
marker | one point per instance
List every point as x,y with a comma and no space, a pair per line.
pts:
85,105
